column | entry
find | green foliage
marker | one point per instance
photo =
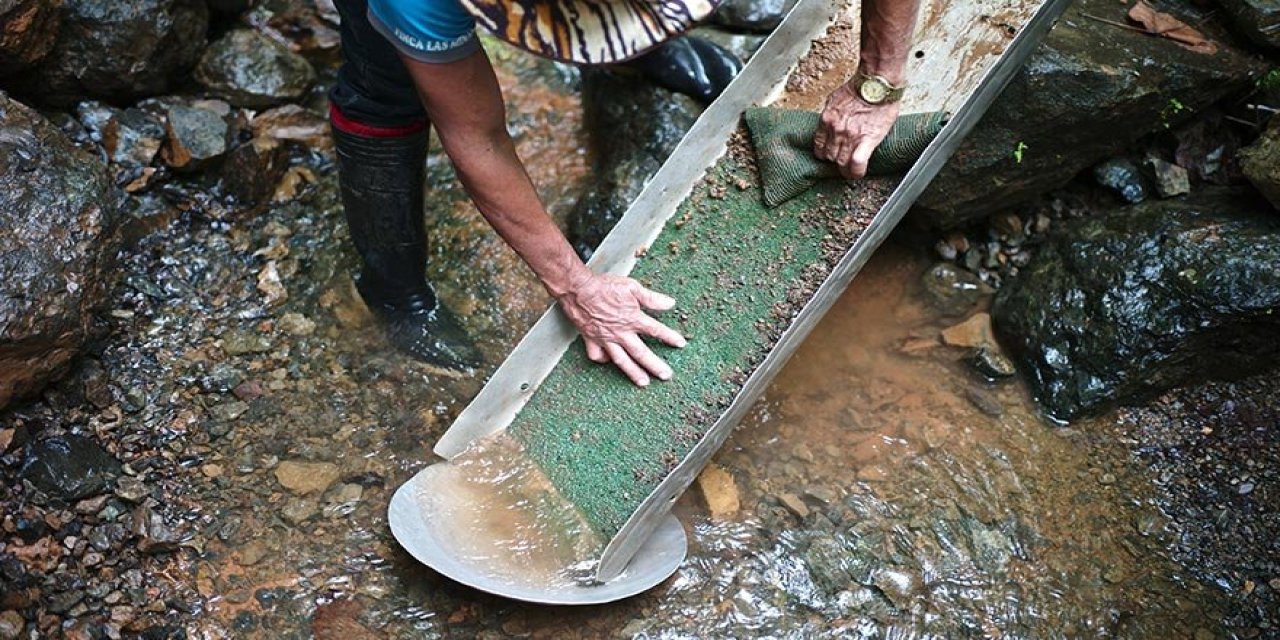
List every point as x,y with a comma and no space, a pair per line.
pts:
1171,109
1019,150
1270,81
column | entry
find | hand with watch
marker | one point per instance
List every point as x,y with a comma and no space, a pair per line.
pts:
859,114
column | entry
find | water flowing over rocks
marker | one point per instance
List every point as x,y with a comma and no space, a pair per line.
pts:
1089,90
117,51
57,248
1142,299
28,29
249,69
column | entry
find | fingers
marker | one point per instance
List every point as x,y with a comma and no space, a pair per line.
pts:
643,356
861,156
667,335
595,352
650,299
628,366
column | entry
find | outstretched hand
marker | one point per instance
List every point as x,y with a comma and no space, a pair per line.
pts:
609,312
850,129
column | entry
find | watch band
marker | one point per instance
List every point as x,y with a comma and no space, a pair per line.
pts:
893,94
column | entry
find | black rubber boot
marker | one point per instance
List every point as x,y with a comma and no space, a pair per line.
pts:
690,65
381,180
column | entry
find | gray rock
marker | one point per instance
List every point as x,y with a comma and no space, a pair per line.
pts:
28,30
1170,179
249,69
1260,162
1258,20
131,137
743,45
197,135
634,126
253,170
69,467
1122,177
988,361
1089,90
118,50
1144,298
59,213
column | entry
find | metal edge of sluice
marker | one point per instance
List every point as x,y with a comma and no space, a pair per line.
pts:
518,377
660,556
642,522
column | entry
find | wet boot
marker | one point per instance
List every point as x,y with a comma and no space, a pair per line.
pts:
381,180
690,65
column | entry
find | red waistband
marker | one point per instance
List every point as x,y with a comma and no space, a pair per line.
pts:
340,121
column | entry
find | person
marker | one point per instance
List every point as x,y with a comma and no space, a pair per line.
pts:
410,64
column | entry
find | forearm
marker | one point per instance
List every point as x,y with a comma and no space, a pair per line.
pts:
465,105
887,27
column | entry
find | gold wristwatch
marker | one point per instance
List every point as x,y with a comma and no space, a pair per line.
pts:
875,89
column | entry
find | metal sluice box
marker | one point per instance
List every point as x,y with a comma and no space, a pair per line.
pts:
964,55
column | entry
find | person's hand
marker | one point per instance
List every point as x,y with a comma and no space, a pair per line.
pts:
609,312
850,129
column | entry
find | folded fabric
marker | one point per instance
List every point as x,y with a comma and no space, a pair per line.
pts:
783,141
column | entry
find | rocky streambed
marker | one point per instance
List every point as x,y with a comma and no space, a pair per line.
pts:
216,457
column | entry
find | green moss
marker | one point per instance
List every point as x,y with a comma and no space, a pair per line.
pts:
729,262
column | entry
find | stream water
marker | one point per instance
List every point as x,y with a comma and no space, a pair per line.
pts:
879,489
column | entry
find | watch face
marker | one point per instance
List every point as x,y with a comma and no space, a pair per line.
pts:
873,91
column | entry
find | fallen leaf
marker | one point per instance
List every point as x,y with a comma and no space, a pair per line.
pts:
1166,26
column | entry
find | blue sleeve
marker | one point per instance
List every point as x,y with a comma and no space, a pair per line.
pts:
426,30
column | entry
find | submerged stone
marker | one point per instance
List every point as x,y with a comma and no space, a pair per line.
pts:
1122,177
1145,298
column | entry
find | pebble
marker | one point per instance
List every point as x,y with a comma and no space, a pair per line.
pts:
228,411
720,491
297,324
297,511
1107,479
252,553
302,478
11,625
984,401
131,489
794,504
973,332
211,470
241,342
990,362
1245,488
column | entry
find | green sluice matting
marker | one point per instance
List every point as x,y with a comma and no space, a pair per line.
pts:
739,272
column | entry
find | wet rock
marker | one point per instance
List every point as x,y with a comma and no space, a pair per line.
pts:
1122,177
197,135
634,126
59,212
340,620
1170,179
28,30
11,625
242,342
760,16
69,467
132,489
253,170
298,510
794,504
988,361
974,332
952,290
1260,162
897,585
118,51
249,69
720,491
1089,90
292,123
1258,20
155,535
131,137
1145,298
303,478
743,45
984,401
297,324
228,411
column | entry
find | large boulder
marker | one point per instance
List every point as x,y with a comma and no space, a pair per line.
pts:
28,29
1089,90
1258,20
634,127
1142,299
117,51
1260,162
249,69
58,245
